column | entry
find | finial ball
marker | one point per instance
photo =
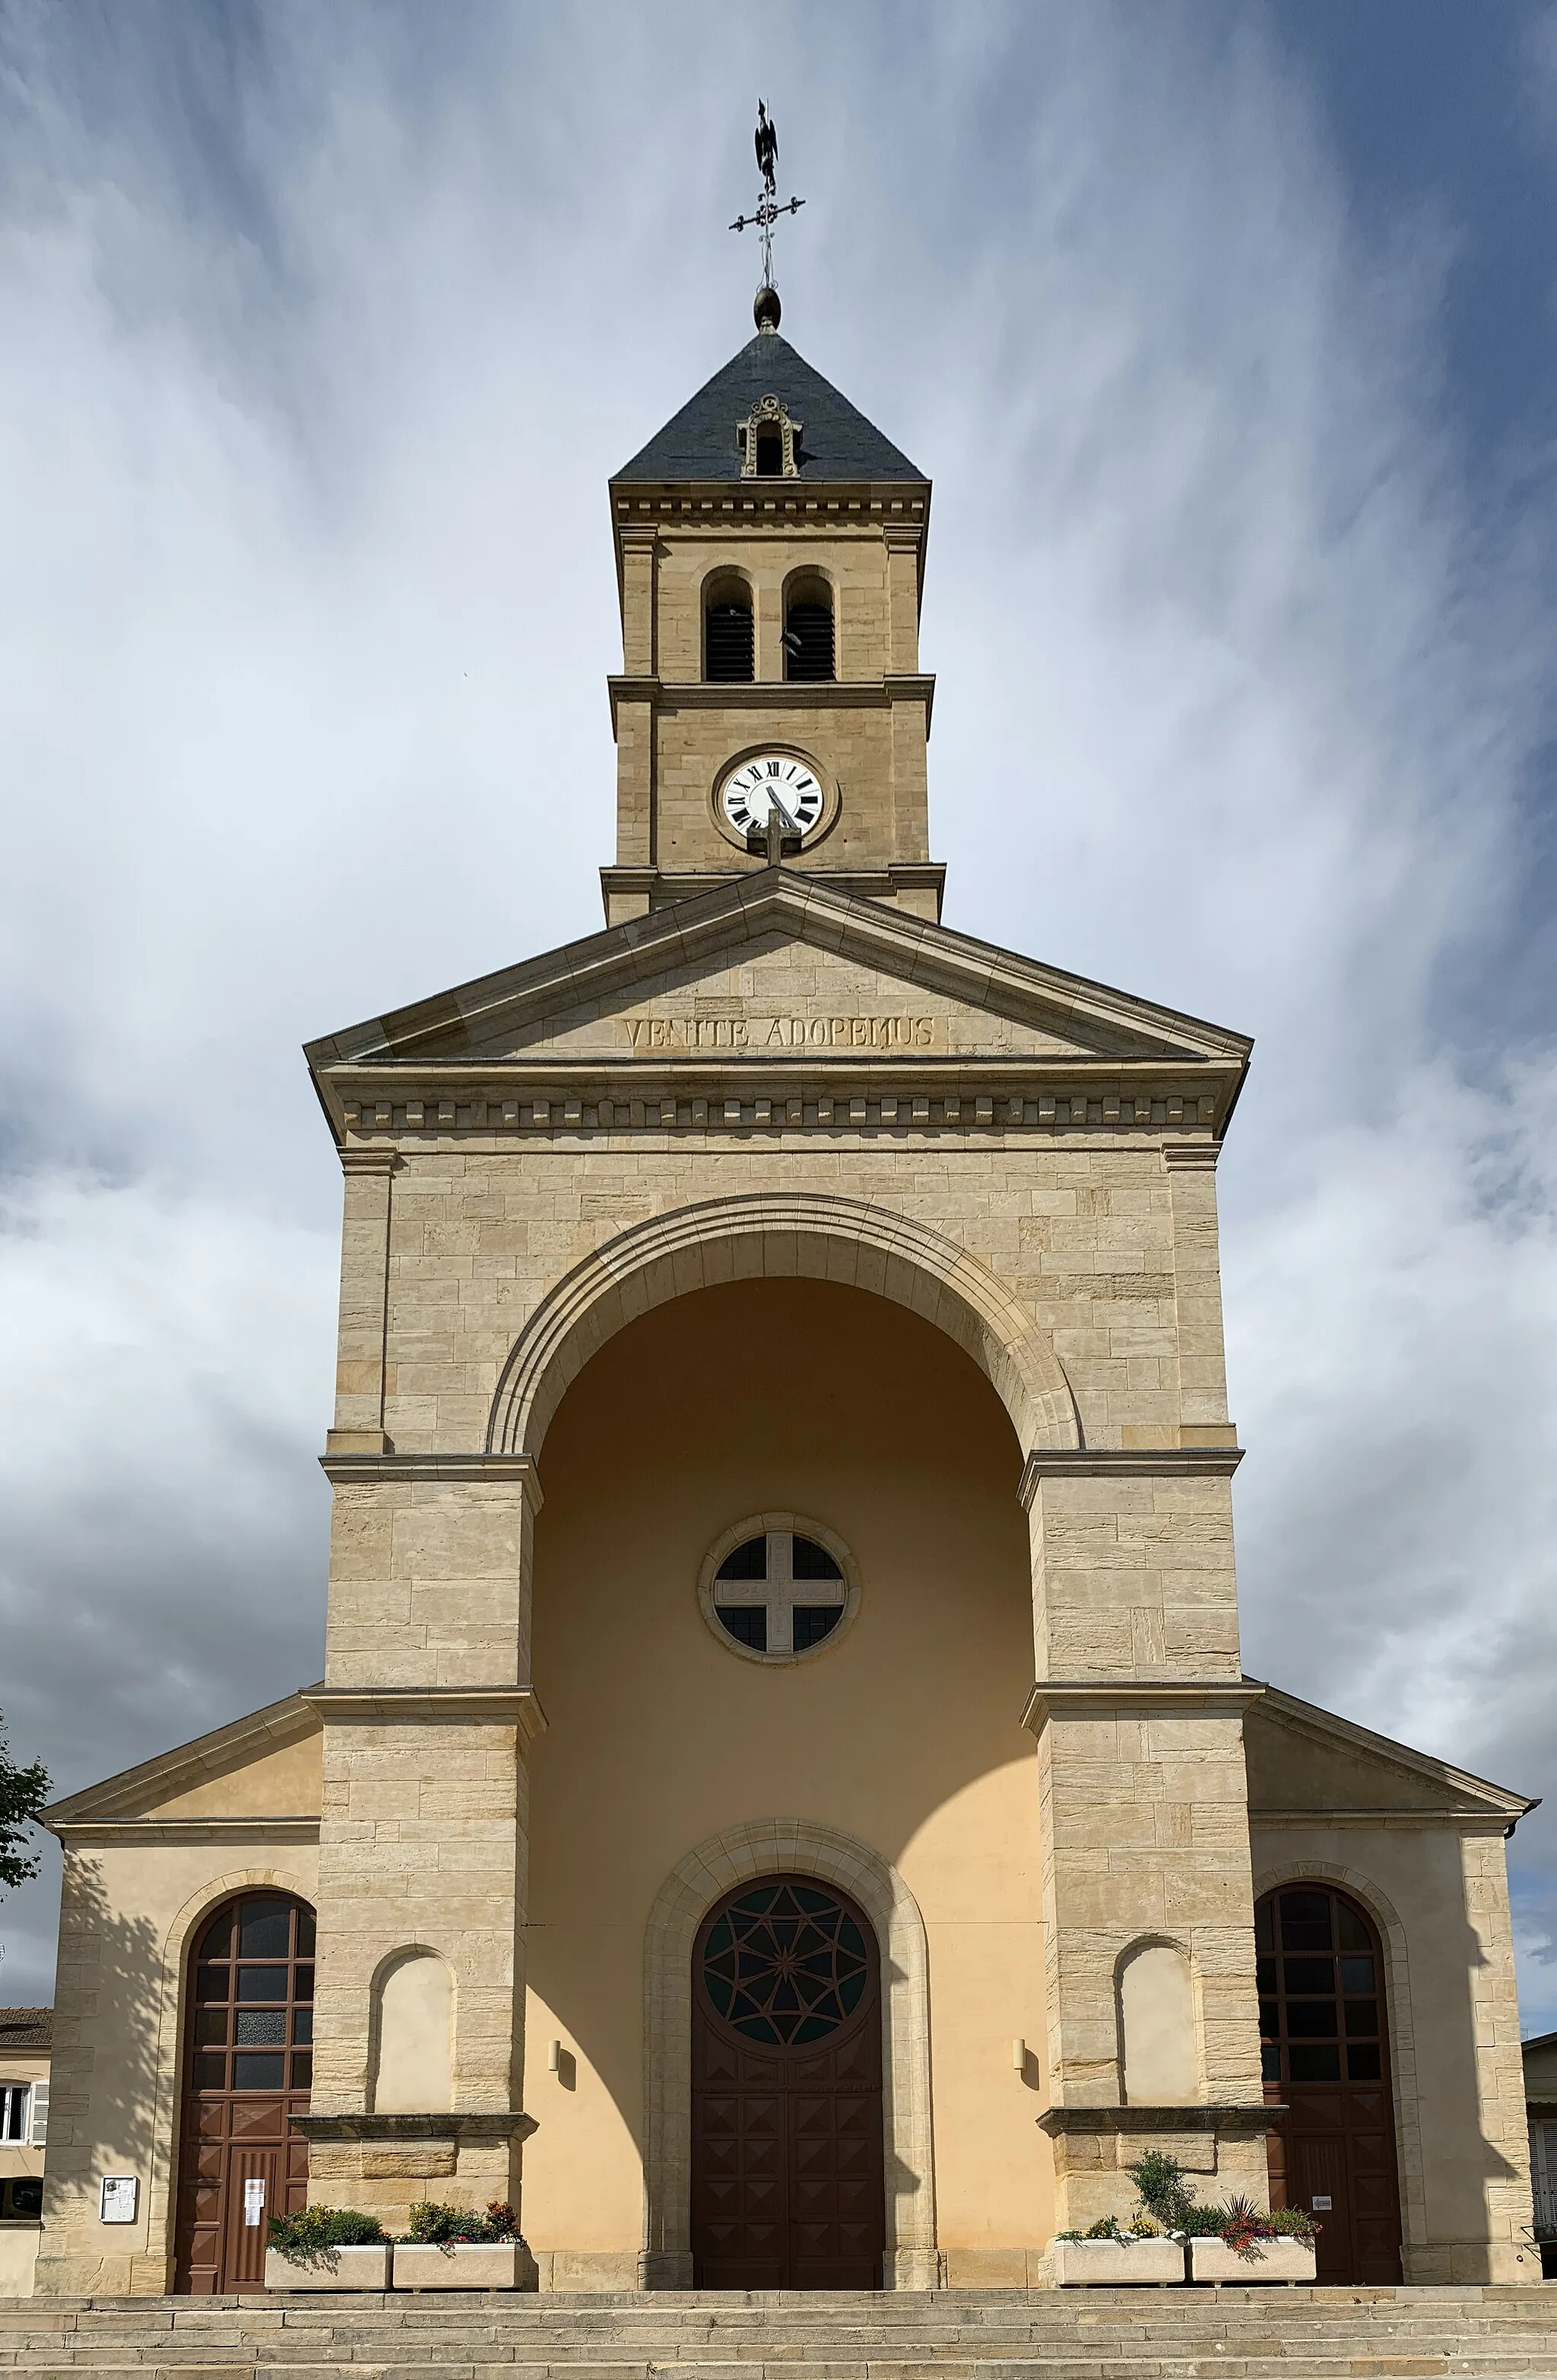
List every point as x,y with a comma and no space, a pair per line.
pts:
765,310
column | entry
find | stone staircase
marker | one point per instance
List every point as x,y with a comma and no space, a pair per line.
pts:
1115,2334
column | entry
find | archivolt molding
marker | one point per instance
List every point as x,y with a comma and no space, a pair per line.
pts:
781,1234
784,1847
1403,2031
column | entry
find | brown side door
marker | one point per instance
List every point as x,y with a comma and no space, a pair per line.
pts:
787,2170
247,2067
1326,2044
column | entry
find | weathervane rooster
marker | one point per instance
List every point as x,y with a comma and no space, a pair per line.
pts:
769,211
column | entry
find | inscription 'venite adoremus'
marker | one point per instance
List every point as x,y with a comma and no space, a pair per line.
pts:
783,1032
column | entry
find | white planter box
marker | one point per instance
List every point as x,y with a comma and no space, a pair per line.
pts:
1280,2260
464,2265
336,2269
1091,2263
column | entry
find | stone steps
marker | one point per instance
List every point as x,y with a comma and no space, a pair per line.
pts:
1241,2334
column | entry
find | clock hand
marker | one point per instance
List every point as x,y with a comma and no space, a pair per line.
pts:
784,817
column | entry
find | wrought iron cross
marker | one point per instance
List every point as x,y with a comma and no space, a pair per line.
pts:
768,207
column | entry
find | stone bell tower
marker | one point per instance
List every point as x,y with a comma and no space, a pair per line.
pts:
771,557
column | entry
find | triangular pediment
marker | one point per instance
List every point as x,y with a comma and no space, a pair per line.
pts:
1301,1758
776,964
263,1765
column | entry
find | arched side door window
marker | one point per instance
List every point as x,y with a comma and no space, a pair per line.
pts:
1324,2052
248,2069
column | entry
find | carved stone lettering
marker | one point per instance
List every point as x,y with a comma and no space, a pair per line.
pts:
649,1035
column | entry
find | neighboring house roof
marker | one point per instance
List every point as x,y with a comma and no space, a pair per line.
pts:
837,441
26,2028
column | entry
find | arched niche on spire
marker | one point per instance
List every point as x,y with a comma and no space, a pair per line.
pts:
775,1235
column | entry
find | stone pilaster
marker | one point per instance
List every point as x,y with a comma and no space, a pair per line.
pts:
365,1243
428,1712
1138,1710
904,544
1197,1278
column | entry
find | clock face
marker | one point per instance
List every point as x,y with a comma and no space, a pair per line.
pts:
772,780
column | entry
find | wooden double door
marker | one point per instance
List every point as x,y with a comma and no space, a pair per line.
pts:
788,2168
248,2069
1324,2040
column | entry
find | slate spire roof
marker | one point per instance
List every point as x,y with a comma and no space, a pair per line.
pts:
838,442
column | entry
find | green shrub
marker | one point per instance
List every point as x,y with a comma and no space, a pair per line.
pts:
1243,2224
1105,2228
434,2225
311,2236
1161,2187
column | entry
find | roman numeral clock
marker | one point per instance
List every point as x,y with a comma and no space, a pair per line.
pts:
771,784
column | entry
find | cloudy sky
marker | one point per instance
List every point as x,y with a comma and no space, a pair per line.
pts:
1228,334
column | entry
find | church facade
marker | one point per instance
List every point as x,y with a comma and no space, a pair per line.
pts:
783,1806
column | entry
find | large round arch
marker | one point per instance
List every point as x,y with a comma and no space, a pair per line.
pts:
774,1235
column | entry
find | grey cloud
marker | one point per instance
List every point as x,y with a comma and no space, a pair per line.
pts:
324,335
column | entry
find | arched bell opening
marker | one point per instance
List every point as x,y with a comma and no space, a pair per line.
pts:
729,638
810,629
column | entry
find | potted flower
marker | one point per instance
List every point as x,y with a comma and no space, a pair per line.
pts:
1140,2253
452,2248
327,2248
1242,2242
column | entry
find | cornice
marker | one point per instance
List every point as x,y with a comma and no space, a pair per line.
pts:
516,1706
851,1089
373,1469
672,695
104,1834
747,505
1238,2119
467,2124
662,889
1094,1697
1125,1462
1459,1819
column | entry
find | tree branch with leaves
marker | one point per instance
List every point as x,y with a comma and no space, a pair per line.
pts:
23,1792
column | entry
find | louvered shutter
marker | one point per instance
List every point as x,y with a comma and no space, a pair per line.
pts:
38,2132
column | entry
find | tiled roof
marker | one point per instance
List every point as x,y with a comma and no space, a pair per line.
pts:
26,2028
837,443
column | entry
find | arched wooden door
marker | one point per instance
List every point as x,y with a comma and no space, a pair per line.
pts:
247,2067
788,2172
1324,2043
